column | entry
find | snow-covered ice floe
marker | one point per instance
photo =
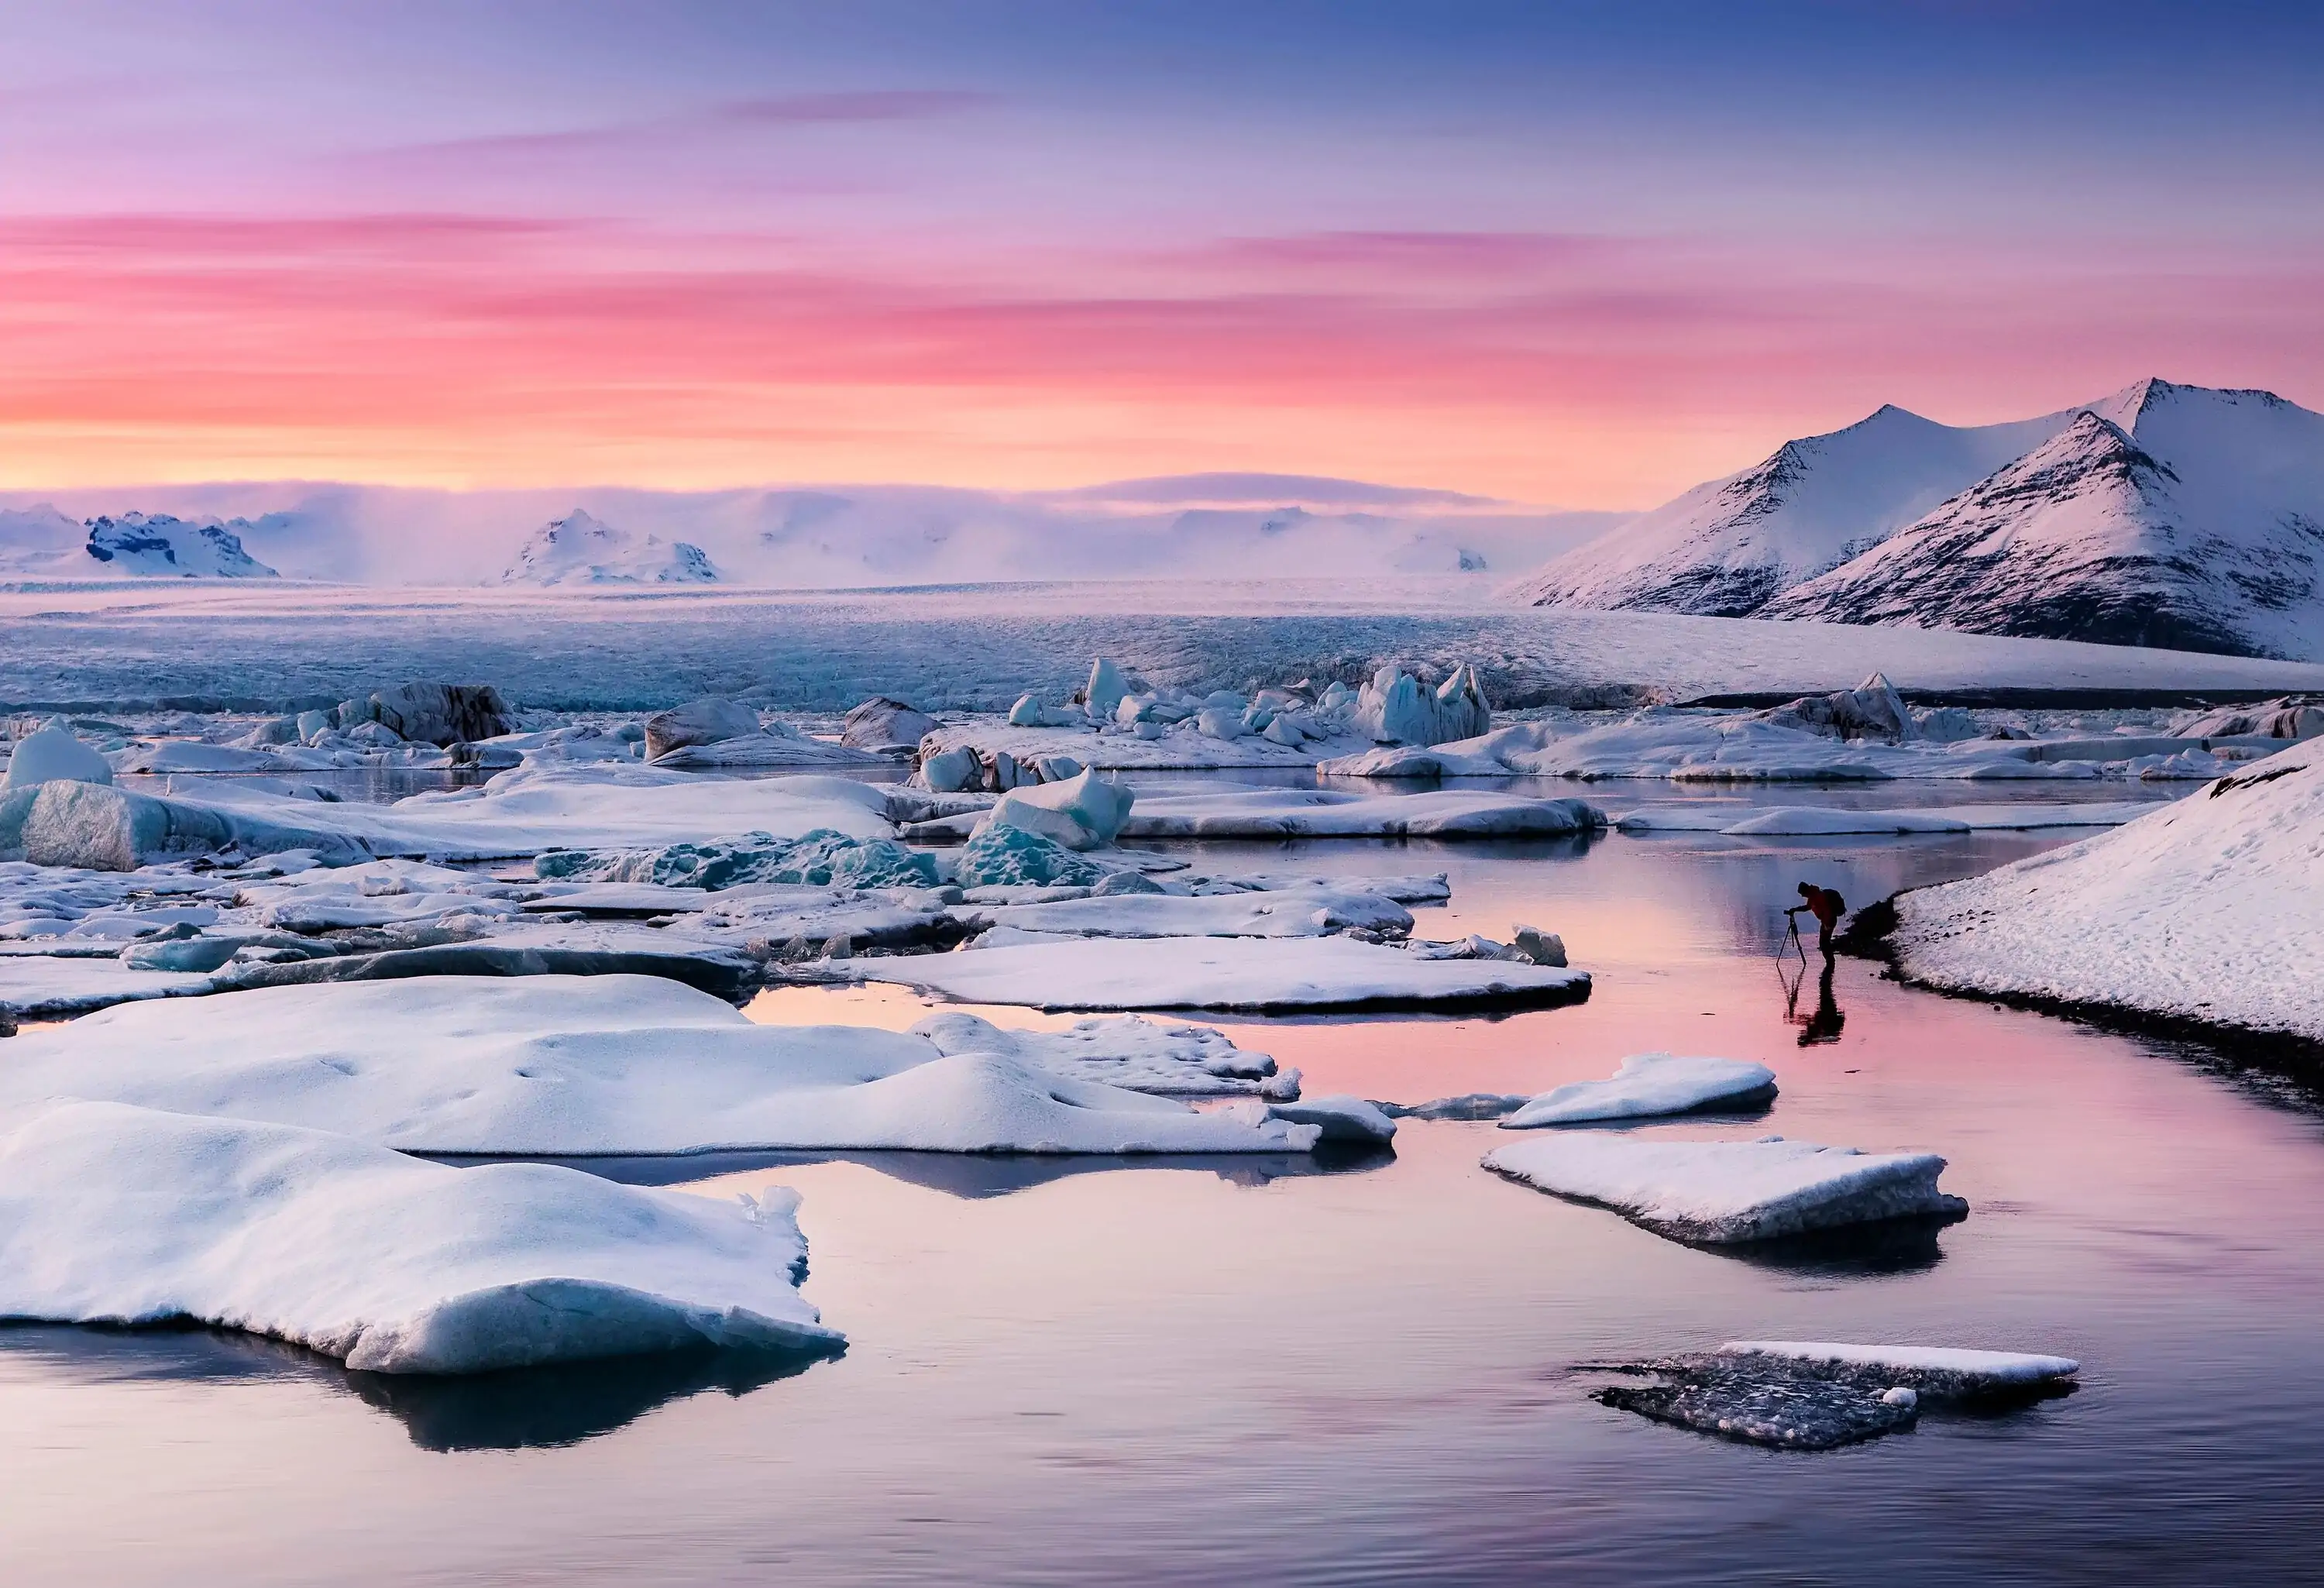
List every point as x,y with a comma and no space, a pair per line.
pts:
1717,1193
1819,1395
611,1065
2210,910
1290,913
118,1215
1167,1061
1650,1083
1325,813
1792,821
1261,974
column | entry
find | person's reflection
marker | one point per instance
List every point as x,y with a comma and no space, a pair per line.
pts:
1824,1023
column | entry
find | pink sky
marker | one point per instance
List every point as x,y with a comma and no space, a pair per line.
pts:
266,246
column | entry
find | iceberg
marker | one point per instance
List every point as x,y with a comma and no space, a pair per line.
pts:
1645,1084
1004,855
1082,812
118,1215
697,722
1717,1193
50,754
885,724
568,1067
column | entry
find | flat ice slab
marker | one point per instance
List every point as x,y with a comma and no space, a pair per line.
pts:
2206,909
1716,1193
118,1215
1168,1060
1219,972
1798,1395
1291,912
1649,1084
1327,812
42,987
612,1065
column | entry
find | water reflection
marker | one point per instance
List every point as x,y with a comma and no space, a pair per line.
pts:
977,1174
1891,1246
521,1409
1824,1023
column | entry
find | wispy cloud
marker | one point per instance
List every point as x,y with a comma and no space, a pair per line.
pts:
726,118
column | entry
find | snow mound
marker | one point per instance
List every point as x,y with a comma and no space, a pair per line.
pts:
579,549
119,1214
2206,909
1718,1193
1650,1083
584,1066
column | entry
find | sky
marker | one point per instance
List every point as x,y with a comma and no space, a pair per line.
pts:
1580,256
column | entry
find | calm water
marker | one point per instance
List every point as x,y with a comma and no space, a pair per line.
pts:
1259,1372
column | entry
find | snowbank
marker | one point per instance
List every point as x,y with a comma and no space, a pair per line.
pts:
1721,1192
1648,1084
2208,909
572,1066
1219,972
129,1215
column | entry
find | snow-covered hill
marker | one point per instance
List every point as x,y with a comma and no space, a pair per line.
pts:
1199,526
41,540
162,545
1727,548
579,549
2163,515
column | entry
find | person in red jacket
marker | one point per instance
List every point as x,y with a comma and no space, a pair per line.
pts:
1826,906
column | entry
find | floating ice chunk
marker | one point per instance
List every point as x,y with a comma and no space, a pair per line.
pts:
95,827
1340,1118
118,1214
885,723
1102,696
952,771
1027,712
50,753
697,722
1082,812
1805,1396
1721,1192
433,713
1126,1051
1649,1084
1469,1105
1315,813
1223,972
1295,912
1539,947
569,1067
1003,854
820,859
1989,1367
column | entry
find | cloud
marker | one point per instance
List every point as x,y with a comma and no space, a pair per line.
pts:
725,118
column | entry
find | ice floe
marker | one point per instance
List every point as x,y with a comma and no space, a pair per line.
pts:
1810,1395
1168,1060
1290,913
1649,1084
615,1064
1715,1193
118,1214
1824,821
1220,973
1323,812
2206,911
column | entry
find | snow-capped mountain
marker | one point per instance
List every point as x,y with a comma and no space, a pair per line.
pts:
41,540
1725,549
2197,526
579,549
160,544
2163,515
1192,526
